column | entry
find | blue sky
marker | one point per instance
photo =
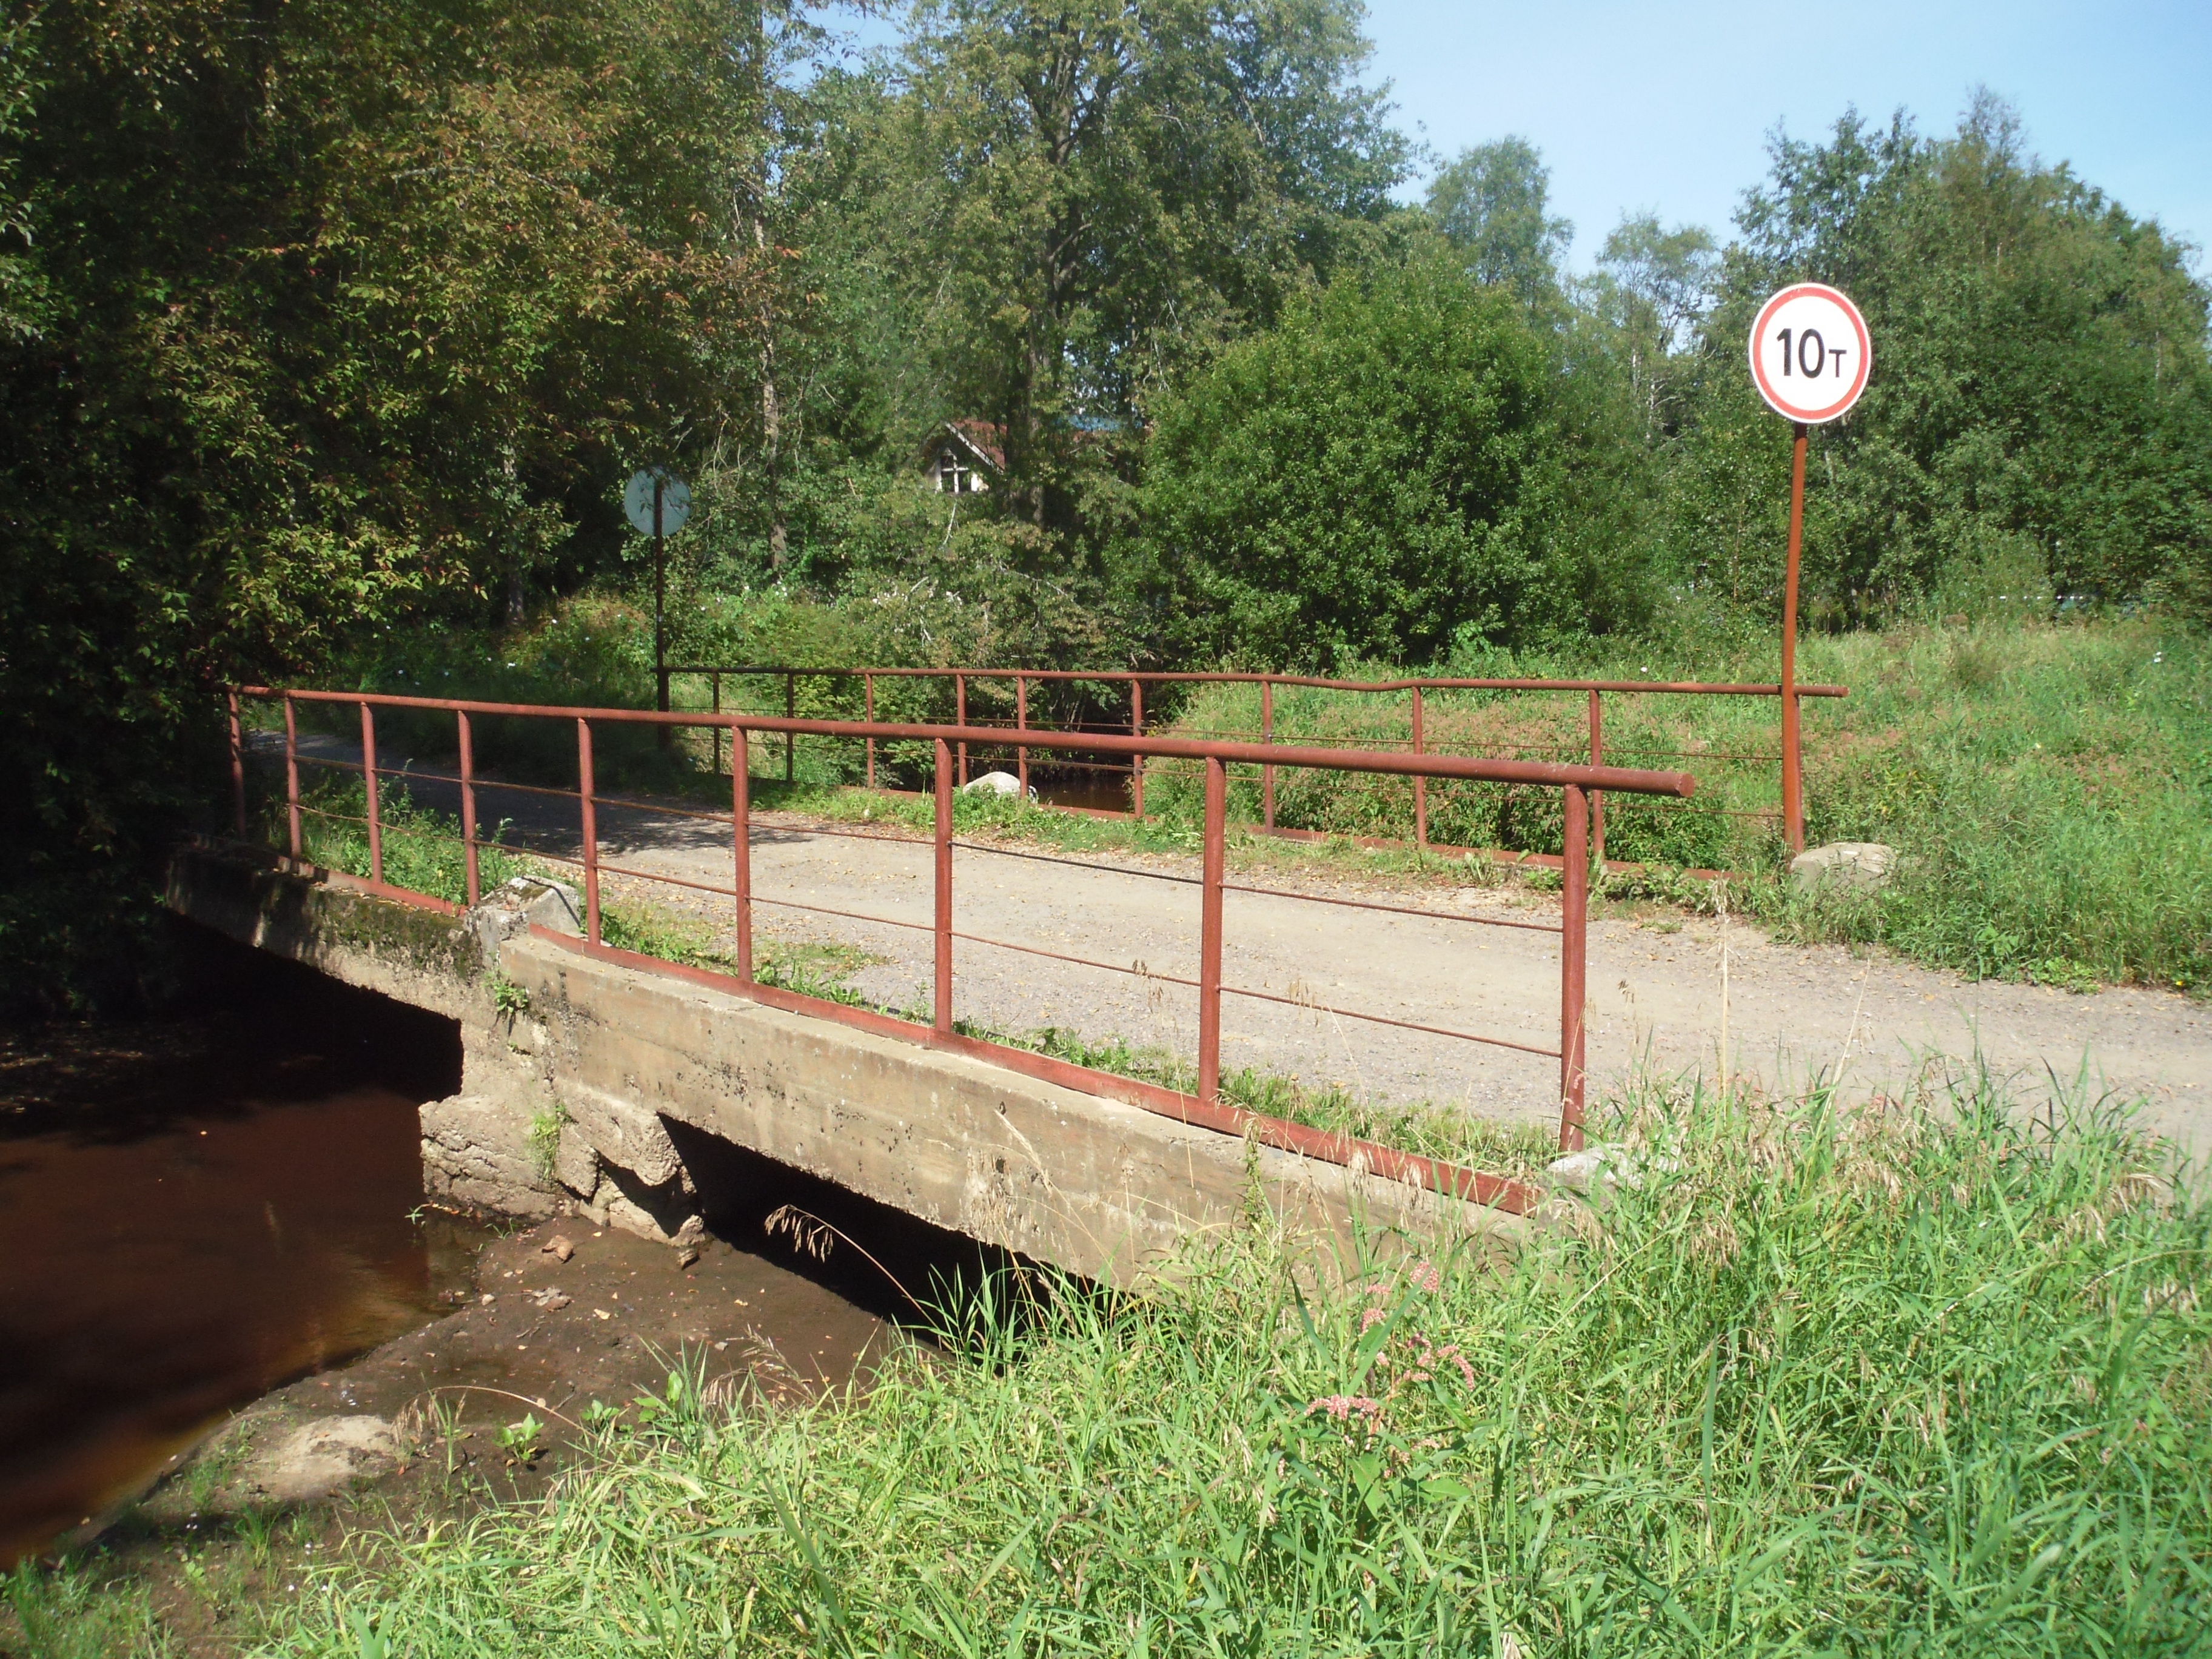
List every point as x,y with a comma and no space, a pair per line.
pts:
1668,106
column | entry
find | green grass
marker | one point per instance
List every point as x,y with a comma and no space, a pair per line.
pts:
70,1614
2051,785
421,847
1424,1127
1931,1379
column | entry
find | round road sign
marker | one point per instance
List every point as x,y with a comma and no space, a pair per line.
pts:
1810,352
675,501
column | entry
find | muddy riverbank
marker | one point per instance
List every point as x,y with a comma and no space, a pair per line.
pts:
236,1335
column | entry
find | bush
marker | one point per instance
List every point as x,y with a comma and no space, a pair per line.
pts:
1380,473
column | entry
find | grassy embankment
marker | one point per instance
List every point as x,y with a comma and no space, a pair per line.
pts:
2051,785
1932,1378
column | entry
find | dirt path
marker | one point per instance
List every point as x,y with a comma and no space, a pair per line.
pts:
1655,988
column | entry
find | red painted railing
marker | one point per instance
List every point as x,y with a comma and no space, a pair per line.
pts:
1791,812
1577,784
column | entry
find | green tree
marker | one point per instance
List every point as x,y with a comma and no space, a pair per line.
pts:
340,315
1494,203
1104,192
1653,288
2041,405
1382,473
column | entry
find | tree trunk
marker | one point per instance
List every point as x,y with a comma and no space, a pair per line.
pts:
771,421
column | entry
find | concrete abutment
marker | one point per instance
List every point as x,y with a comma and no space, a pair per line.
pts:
581,1078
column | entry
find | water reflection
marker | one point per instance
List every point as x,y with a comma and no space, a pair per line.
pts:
195,1211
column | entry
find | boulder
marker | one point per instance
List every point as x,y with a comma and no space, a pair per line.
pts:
1859,866
525,903
995,783
320,1457
623,1133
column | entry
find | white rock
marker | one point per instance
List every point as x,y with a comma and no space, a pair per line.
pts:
318,1458
525,903
1844,866
994,783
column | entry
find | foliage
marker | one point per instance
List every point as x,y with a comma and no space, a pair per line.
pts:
2041,407
1925,1377
1491,204
1377,476
336,316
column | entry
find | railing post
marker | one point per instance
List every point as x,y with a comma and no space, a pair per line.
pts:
237,768
868,689
1420,785
1022,724
469,805
1267,773
944,919
1574,941
1596,796
292,776
741,844
715,681
1209,934
586,789
960,718
1137,762
368,792
790,712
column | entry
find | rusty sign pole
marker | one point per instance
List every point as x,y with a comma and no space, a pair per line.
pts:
1810,357
667,734
1793,787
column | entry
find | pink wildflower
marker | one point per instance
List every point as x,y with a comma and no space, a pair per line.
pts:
1344,1406
1371,1319
1425,1277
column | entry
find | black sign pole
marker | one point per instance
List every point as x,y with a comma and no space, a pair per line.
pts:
659,611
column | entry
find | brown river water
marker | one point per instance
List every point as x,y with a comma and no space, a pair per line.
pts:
197,1209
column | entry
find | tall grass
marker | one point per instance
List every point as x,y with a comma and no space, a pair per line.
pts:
421,847
1923,1379
2051,785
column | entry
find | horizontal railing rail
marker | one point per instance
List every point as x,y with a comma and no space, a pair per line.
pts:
1791,813
1578,783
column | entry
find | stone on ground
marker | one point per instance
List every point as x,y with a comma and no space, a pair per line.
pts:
1844,866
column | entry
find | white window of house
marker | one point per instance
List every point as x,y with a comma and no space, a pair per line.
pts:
952,476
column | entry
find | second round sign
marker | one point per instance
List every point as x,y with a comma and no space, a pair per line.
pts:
1810,353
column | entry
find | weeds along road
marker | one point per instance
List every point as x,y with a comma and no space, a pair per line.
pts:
1655,991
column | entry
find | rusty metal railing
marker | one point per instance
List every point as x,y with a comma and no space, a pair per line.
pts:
1578,783
1418,689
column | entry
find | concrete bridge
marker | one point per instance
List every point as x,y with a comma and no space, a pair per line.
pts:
586,1077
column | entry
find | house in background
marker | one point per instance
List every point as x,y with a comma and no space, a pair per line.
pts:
965,458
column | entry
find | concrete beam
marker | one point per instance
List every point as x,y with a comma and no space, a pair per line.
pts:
1100,1189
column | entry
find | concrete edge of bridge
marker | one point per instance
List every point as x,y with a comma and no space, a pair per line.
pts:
575,1069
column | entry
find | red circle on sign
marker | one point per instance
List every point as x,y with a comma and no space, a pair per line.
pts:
1785,392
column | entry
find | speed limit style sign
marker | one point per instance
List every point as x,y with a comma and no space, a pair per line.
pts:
1810,353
